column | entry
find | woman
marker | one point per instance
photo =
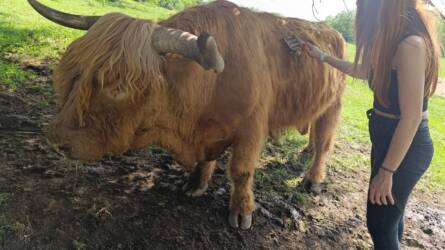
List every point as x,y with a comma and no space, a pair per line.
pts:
398,52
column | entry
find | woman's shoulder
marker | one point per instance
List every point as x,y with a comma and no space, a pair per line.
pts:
411,48
413,42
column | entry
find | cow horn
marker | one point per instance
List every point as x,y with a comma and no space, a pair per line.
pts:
202,49
65,19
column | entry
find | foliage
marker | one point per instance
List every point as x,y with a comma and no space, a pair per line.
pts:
343,23
178,4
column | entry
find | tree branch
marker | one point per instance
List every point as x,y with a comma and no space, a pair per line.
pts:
434,6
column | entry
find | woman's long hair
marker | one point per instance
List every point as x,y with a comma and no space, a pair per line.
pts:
380,27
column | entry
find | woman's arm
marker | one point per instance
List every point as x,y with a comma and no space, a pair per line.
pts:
410,60
359,72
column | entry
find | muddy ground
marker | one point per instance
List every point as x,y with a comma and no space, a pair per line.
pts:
135,201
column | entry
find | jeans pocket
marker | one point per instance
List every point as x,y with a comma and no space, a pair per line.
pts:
418,159
422,136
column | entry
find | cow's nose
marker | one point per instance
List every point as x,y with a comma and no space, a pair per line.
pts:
65,148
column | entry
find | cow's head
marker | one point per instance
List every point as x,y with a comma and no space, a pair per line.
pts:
106,75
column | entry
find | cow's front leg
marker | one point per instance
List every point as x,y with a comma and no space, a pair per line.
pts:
241,170
199,179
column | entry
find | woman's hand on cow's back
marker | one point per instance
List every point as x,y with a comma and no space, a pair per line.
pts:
312,50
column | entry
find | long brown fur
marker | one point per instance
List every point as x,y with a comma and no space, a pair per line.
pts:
116,93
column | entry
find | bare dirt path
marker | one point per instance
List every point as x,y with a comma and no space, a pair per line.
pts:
134,201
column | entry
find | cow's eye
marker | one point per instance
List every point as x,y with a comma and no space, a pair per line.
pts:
117,94
117,91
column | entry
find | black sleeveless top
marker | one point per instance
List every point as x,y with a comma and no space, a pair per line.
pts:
393,96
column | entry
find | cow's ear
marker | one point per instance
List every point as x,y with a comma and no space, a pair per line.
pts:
117,91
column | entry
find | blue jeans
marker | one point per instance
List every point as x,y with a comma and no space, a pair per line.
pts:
385,223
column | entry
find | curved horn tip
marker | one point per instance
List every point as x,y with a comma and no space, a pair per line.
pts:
209,49
202,41
62,18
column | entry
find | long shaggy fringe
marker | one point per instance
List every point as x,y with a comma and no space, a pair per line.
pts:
116,52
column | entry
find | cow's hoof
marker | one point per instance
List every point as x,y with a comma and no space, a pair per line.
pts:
311,186
233,220
246,221
194,187
198,192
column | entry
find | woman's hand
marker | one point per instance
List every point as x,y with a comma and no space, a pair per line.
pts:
380,190
312,50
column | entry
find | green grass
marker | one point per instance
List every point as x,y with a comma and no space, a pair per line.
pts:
437,124
11,74
442,67
24,34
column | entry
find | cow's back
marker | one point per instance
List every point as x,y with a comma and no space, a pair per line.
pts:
260,72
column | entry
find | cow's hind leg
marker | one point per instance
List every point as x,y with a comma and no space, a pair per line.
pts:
199,179
322,135
309,149
245,156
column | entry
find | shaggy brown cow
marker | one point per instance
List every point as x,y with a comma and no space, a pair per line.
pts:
123,85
